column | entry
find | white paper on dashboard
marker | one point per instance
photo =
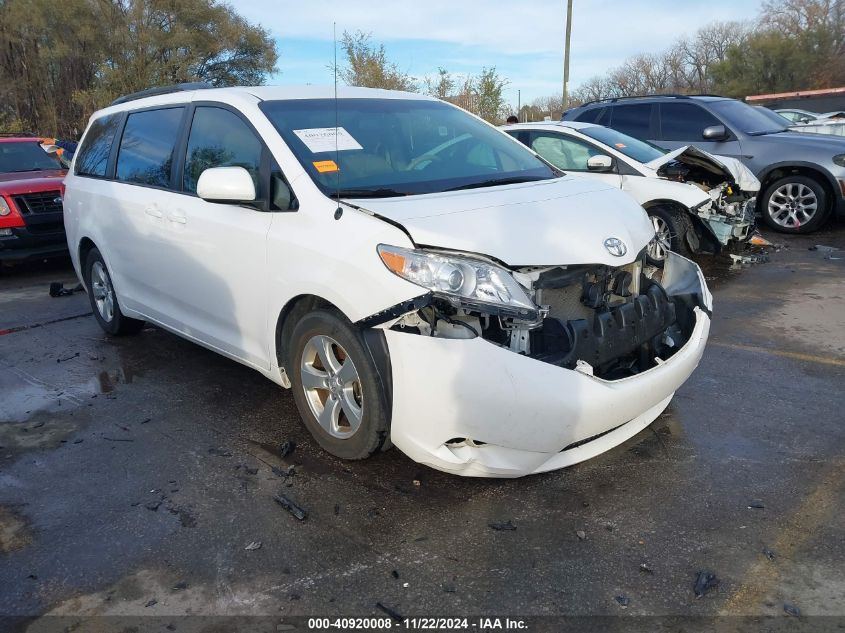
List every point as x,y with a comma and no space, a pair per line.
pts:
322,139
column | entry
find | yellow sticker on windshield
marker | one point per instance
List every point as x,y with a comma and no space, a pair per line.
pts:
324,166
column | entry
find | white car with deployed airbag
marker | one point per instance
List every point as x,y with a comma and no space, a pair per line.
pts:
414,275
697,202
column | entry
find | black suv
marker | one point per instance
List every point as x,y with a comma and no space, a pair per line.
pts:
802,176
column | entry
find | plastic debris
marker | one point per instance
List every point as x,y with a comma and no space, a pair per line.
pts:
179,586
253,546
646,568
286,448
57,289
220,452
623,601
503,527
581,534
759,240
768,553
67,358
704,582
791,609
151,603
290,506
756,504
397,617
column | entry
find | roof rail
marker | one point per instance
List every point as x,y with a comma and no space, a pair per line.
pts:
668,94
163,90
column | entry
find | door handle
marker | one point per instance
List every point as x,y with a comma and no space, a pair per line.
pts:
179,219
153,212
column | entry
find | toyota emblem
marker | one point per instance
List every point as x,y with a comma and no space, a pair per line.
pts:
615,246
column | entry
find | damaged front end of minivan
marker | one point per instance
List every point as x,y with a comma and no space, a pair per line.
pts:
534,368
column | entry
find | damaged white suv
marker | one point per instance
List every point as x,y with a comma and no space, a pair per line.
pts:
417,277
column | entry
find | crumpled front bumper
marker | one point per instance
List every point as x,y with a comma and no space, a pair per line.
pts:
522,415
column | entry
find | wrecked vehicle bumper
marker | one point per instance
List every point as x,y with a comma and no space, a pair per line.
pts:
470,407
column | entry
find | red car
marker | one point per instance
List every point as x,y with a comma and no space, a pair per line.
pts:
31,221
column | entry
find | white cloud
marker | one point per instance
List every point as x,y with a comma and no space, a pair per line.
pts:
504,33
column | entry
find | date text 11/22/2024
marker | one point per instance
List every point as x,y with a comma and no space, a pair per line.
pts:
481,624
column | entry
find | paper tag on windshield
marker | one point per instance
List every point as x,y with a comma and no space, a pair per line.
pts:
322,139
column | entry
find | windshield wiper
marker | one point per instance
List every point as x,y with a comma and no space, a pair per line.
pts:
766,132
366,193
497,181
20,171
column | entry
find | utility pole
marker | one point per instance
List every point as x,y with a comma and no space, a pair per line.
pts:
566,54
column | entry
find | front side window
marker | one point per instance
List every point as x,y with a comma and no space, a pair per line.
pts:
747,119
219,138
386,147
146,149
641,151
564,152
633,119
20,156
93,157
684,121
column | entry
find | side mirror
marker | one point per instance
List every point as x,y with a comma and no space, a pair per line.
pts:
805,119
599,163
715,133
226,184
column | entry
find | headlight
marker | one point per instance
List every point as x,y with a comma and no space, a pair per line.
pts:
839,159
4,207
470,283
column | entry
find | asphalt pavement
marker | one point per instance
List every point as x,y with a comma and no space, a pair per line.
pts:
138,475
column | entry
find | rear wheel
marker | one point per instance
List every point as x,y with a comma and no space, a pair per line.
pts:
671,226
336,386
103,299
795,204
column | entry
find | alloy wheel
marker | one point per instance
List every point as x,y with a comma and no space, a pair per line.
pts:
102,291
332,386
792,205
662,242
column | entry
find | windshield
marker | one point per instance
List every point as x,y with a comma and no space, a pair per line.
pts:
25,156
387,147
641,151
745,118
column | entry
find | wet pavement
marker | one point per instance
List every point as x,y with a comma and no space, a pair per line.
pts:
135,473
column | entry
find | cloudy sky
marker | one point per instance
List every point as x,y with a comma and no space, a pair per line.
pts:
523,39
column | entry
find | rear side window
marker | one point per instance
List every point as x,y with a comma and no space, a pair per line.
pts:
590,116
633,119
220,138
146,149
684,121
93,158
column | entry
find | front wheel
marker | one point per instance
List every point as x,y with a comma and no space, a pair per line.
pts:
794,204
336,386
671,226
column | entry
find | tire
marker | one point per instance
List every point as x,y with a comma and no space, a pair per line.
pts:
103,298
794,204
674,224
345,409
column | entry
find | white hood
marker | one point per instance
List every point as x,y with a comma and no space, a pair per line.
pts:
728,167
564,221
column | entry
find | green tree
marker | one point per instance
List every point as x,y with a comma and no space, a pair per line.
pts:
368,66
442,85
63,60
489,100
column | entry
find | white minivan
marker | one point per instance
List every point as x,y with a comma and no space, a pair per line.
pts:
416,276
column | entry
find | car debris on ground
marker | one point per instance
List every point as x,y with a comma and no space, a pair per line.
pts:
503,527
704,582
290,506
